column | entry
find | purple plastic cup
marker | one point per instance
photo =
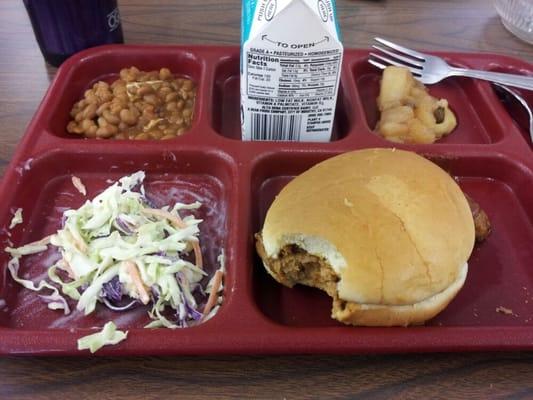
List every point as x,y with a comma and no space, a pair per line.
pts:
64,27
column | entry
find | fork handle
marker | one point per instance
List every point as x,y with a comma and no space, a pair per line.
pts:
524,82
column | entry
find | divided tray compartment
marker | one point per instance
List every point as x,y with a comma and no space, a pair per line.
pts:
463,94
226,102
238,180
500,265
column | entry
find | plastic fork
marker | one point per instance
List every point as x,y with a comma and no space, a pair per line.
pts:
432,69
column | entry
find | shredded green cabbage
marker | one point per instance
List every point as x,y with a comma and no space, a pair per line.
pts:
115,246
55,300
17,218
26,250
109,335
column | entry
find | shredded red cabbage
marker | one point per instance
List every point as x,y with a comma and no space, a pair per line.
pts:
124,226
112,290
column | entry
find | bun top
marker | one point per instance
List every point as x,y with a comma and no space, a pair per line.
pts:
395,227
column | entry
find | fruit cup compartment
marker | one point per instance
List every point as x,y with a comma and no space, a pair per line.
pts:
46,190
499,268
476,120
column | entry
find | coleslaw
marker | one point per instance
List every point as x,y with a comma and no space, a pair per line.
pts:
118,251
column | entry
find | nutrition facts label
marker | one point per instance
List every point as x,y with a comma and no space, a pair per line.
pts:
292,76
308,77
295,91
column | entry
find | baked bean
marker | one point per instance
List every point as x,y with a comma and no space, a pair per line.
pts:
86,124
127,116
100,110
187,113
172,106
170,131
116,108
120,89
148,108
74,128
149,114
111,118
106,131
124,75
123,97
102,122
155,134
142,136
91,131
171,97
129,75
103,93
101,85
164,74
150,99
142,121
144,90
140,105
165,90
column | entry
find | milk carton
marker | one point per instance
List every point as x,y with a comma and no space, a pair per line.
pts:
291,58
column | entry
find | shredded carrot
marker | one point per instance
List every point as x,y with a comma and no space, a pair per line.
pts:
198,254
178,222
131,267
78,241
213,296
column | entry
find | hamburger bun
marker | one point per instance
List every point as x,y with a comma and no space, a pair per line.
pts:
385,232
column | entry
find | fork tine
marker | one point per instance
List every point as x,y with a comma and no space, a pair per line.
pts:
401,49
408,60
377,64
414,71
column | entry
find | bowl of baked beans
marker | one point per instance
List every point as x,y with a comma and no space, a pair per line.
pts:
139,105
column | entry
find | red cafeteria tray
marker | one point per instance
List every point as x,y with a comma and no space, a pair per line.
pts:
237,181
